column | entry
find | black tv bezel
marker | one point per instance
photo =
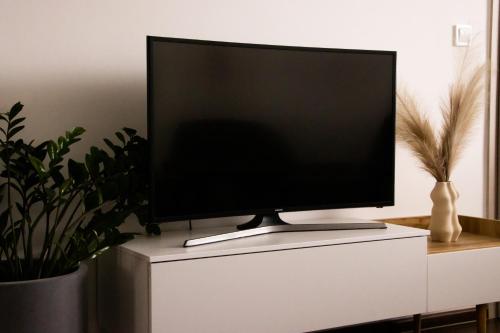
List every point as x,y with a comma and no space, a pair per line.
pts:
242,212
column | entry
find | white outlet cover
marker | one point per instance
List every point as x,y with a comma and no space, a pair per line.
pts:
462,35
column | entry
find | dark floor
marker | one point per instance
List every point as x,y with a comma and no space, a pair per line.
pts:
493,326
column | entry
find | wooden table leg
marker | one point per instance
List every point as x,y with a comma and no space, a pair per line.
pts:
482,318
417,323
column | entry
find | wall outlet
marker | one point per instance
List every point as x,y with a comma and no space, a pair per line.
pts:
462,35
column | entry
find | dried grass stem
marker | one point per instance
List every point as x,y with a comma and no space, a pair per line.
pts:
438,152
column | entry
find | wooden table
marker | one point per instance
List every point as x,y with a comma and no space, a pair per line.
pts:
463,273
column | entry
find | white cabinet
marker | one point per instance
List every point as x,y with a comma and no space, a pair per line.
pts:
289,282
463,279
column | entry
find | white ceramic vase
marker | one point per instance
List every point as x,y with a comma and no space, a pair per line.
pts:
457,228
444,225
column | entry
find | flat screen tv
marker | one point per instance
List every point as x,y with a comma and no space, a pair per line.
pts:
247,129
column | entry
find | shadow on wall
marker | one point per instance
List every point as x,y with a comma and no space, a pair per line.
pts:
100,104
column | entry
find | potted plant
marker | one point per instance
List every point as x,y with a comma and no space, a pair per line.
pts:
55,213
439,151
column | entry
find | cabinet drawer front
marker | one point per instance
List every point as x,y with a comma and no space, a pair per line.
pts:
462,279
292,290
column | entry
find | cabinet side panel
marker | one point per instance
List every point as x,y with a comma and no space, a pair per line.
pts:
123,293
293,290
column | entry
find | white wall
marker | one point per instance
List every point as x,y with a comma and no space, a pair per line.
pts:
83,63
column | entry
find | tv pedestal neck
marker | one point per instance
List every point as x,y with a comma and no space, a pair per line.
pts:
267,224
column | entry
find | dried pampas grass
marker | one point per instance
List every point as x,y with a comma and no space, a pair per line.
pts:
439,151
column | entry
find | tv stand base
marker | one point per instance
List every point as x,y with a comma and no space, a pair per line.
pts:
262,220
261,224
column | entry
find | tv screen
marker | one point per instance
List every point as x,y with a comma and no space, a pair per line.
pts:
240,129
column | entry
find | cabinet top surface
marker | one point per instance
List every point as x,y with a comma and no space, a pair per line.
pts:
477,233
169,245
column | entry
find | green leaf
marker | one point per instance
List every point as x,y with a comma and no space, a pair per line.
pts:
64,150
31,164
37,164
17,121
65,185
51,149
92,164
14,131
39,151
95,151
77,131
57,177
77,171
16,108
123,183
20,208
50,195
130,131
110,190
116,149
92,245
16,188
3,220
93,200
120,136
72,135
61,141
74,140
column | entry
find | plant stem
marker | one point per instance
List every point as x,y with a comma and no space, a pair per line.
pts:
80,220
47,212
70,219
54,228
54,256
15,255
23,226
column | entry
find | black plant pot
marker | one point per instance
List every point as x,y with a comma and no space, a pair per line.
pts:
55,305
